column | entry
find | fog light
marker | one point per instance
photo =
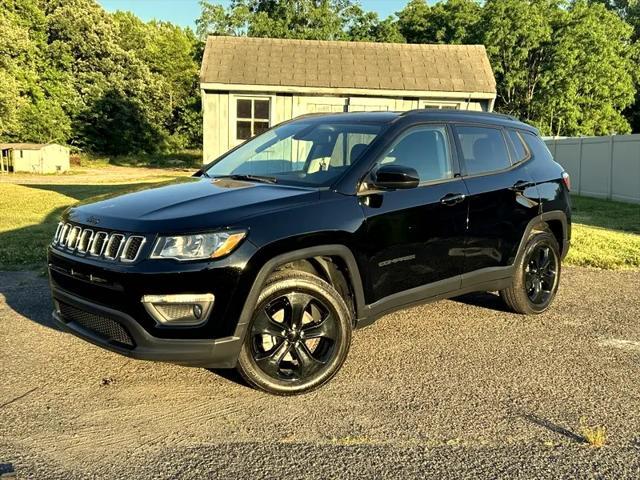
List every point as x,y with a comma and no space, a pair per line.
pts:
186,310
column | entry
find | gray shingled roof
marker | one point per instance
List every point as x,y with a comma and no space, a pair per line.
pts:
380,66
22,146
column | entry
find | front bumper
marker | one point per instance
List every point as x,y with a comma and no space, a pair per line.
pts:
118,332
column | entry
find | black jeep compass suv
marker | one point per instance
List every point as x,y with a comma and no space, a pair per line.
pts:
270,255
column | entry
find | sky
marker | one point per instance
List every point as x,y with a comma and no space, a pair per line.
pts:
185,12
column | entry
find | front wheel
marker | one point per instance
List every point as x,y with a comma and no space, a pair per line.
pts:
299,335
537,276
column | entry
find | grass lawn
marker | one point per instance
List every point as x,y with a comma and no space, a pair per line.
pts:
29,214
605,234
182,159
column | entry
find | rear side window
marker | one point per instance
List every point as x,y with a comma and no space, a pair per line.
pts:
520,151
537,147
483,149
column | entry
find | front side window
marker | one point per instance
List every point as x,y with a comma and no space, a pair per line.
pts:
425,149
252,117
300,153
483,149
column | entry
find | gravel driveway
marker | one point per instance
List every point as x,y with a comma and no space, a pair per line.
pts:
454,389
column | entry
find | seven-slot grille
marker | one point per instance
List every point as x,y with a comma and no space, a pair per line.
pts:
111,246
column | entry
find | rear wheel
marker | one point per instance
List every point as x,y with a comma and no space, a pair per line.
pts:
537,276
299,335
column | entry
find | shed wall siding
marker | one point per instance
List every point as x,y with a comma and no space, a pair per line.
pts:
49,159
219,116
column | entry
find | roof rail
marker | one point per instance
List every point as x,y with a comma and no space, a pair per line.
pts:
460,112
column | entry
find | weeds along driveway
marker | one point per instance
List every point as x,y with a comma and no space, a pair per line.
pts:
452,389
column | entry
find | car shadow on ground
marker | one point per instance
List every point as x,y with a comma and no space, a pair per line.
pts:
230,374
490,300
27,293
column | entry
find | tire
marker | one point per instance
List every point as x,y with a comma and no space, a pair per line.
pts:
535,281
299,335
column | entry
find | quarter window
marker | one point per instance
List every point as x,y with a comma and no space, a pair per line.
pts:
483,149
252,117
538,148
520,151
425,149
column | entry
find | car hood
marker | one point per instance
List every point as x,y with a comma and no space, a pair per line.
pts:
188,205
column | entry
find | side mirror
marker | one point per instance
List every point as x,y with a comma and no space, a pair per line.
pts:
393,177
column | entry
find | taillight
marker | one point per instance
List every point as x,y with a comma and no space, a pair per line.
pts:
567,180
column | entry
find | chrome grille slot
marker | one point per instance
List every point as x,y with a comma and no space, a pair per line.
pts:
113,246
85,241
132,248
99,242
63,235
72,237
56,237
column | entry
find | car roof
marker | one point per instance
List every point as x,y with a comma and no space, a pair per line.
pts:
423,114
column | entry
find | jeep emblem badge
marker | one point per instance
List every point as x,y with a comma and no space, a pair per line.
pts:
93,220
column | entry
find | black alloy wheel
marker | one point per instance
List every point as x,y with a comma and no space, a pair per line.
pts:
299,335
536,277
540,274
293,336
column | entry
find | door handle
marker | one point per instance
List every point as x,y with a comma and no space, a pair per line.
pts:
521,186
451,199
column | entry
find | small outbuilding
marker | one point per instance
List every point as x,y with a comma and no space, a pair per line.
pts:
251,84
33,158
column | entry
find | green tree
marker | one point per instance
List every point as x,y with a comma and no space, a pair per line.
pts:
518,36
303,19
590,74
452,21
413,21
367,26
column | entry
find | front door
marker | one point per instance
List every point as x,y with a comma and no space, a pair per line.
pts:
415,237
502,198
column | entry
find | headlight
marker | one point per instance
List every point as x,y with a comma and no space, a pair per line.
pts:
198,246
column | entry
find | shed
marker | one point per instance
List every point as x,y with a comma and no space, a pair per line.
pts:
250,84
33,158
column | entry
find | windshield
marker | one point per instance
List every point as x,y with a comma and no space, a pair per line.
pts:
299,153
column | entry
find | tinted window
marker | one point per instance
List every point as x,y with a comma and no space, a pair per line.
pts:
537,146
483,149
426,149
300,153
349,146
520,151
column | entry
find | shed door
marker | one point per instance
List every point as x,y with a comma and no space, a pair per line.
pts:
306,105
366,104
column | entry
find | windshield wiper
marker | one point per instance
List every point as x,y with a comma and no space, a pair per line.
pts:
251,178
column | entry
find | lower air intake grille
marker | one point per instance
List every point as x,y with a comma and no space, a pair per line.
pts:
105,327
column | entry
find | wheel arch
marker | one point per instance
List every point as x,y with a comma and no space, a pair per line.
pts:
556,221
316,256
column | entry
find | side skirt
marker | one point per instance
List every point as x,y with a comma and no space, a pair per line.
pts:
487,279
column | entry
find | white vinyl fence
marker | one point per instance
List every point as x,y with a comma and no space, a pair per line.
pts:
603,167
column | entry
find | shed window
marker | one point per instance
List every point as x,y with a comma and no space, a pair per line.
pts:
441,106
252,117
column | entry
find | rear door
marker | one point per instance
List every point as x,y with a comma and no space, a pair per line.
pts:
502,198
